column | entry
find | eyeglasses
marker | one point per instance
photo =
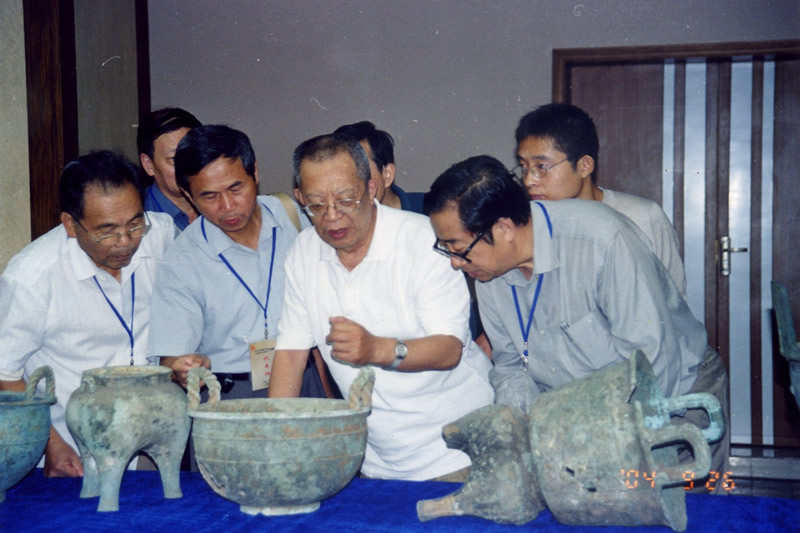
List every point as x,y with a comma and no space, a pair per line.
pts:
538,170
461,255
110,239
344,206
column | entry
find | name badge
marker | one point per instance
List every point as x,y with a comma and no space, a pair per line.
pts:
262,353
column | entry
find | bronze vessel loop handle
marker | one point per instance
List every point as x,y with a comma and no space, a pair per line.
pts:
50,390
193,387
360,394
673,434
701,400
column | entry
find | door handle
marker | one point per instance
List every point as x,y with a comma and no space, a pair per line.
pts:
725,252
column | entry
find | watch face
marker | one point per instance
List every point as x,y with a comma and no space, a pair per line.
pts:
400,349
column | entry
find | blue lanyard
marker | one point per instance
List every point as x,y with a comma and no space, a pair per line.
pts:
244,284
526,330
128,330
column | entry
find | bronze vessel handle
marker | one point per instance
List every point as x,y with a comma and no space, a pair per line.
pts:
360,395
50,390
193,387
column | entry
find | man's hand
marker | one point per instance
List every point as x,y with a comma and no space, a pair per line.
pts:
353,344
60,460
182,364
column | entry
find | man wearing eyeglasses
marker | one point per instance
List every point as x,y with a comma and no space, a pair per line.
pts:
567,289
78,297
557,150
366,288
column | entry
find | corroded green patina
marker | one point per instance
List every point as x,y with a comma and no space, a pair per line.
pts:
279,456
585,439
502,485
589,434
119,411
24,428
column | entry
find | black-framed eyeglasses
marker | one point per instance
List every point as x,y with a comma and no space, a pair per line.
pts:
539,170
110,239
439,247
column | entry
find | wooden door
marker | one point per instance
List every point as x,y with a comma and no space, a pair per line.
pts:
711,133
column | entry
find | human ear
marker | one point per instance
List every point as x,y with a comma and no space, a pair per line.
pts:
585,166
388,174
504,229
147,164
69,224
372,187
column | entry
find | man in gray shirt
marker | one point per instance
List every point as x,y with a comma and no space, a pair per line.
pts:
569,288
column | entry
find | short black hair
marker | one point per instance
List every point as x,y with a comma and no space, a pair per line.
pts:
381,144
324,147
569,127
159,122
104,169
483,191
205,144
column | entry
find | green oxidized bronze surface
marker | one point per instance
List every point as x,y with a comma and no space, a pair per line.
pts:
579,441
118,411
279,455
588,433
24,428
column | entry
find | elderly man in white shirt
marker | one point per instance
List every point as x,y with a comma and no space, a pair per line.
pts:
78,297
367,288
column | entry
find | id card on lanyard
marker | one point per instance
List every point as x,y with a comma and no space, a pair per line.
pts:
261,352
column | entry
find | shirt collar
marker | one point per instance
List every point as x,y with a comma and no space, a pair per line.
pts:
218,241
155,200
545,258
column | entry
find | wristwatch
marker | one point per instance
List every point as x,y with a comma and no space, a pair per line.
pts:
400,353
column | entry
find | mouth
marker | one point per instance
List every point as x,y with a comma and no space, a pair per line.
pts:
537,196
231,221
122,258
337,234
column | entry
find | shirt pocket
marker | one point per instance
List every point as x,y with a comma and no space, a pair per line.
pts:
590,344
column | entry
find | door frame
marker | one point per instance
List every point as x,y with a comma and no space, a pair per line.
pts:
566,58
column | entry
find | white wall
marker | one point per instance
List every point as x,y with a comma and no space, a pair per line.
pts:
448,78
15,223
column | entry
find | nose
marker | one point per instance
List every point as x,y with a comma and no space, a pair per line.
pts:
331,208
124,239
530,179
225,201
457,262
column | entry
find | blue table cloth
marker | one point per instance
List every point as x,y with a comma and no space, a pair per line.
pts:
365,505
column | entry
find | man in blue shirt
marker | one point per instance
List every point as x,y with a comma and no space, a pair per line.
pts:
157,139
218,293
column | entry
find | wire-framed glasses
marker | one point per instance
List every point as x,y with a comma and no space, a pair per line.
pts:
111,239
